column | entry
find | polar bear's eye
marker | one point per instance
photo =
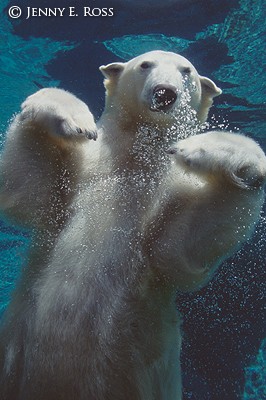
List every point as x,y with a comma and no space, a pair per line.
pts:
186,70
146,65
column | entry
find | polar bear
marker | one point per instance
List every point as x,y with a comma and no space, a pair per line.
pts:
121,222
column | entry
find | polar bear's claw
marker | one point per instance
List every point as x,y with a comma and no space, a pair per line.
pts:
92,135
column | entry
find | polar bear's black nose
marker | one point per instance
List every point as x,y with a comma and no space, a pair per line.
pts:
163,97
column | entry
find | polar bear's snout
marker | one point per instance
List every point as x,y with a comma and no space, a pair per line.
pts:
163,97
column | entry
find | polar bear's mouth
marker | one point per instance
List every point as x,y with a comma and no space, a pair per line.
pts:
163,98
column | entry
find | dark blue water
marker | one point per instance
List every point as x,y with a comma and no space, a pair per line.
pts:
224,348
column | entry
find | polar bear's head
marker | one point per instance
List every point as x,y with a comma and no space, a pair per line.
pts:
150,86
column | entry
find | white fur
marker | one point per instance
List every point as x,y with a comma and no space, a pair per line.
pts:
121,223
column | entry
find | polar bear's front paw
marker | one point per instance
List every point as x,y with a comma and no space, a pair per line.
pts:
223,155
59,113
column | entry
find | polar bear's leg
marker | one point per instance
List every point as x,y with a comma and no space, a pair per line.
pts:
60,113
42,157
222,156
212,209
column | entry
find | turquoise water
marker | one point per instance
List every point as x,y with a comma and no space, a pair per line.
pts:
226,42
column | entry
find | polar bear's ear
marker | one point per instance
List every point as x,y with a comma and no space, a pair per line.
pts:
208,91
113,70
208,86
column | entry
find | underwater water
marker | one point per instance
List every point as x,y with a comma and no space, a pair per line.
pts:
224,324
